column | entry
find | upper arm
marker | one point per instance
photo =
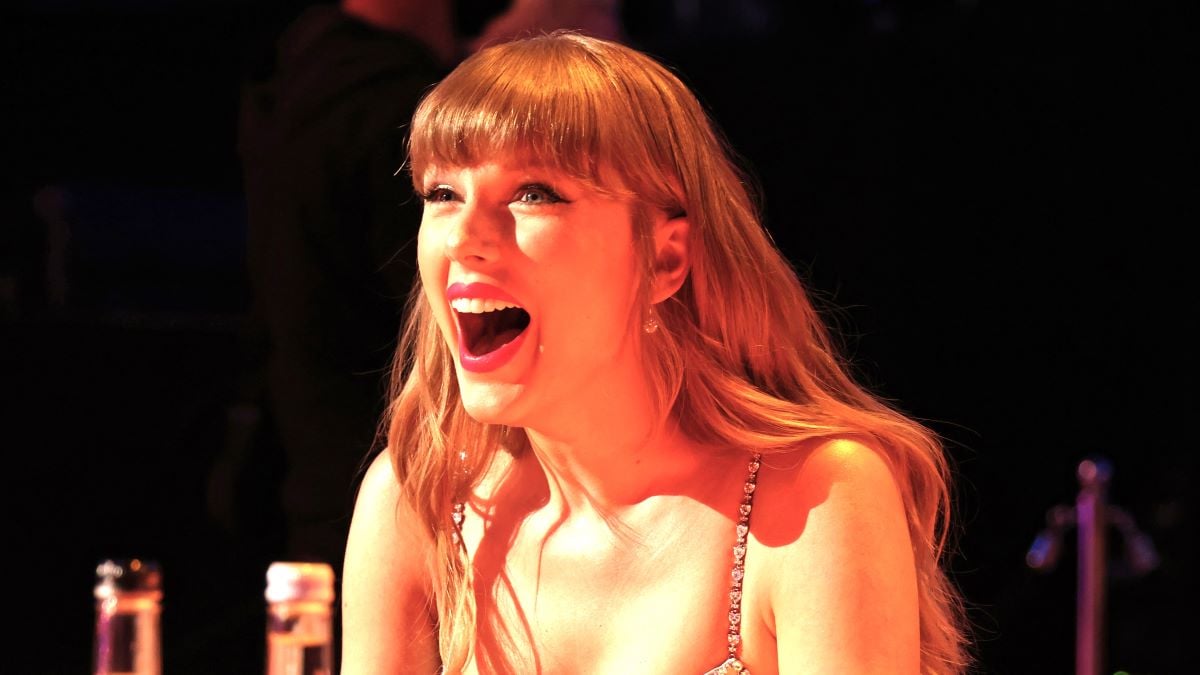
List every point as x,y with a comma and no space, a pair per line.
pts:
387,617
844,592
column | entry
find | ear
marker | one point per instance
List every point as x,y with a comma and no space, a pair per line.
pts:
672,256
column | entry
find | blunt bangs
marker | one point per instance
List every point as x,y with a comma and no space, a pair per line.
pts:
551,103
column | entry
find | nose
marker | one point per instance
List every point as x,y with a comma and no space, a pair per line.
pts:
474,235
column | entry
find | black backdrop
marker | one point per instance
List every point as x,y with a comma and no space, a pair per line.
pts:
989,198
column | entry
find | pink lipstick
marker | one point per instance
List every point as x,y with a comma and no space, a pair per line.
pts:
491,325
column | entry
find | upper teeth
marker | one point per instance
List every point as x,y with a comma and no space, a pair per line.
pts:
479,305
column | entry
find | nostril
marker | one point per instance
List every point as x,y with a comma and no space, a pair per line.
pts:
472,238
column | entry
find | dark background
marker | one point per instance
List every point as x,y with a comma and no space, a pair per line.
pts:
989,198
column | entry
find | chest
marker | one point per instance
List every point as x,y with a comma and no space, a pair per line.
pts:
569,598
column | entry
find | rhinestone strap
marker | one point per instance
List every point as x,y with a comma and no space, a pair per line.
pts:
739,556
457,516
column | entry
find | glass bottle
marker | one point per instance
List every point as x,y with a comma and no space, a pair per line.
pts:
128,604
299,618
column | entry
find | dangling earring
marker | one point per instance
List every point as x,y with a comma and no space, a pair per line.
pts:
651,324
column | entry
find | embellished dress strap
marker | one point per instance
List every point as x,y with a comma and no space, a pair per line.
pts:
734,635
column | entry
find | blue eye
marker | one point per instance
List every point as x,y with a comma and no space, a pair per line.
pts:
538,194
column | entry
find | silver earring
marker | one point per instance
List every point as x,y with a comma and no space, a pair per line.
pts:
651,324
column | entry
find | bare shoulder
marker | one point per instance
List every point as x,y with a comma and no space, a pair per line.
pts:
381,518
379,480
387,624
838,558
846,479
848,461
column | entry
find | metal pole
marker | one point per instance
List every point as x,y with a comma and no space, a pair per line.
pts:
1091,524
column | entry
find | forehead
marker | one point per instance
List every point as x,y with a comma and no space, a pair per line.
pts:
499,166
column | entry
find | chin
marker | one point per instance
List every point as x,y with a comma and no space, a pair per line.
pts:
491,402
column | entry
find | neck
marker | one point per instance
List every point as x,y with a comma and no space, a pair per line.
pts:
610,472
428,22
604,446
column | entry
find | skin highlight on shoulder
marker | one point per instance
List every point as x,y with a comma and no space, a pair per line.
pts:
385,582
837,564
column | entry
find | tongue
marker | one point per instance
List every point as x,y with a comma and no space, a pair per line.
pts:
490,340
486,332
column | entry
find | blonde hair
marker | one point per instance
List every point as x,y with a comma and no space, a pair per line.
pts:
742,360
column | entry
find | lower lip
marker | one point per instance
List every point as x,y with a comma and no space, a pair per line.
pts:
493,359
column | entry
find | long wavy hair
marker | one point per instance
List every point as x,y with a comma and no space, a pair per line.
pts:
742,359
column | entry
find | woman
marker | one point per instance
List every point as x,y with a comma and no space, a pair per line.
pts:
621,439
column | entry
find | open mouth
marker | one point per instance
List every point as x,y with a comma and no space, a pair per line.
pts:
486,325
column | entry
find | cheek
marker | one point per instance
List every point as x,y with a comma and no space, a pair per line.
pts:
599,288
431,263
441,316
425,253
538,242
434,268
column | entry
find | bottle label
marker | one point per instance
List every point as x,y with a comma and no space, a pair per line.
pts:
314,661
116,644
290,656
126,643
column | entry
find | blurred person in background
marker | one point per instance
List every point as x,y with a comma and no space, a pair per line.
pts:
331,227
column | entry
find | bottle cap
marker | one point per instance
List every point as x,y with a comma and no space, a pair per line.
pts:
128,575
294,581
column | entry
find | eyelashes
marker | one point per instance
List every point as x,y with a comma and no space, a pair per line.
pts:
530,194
540,193
438,193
